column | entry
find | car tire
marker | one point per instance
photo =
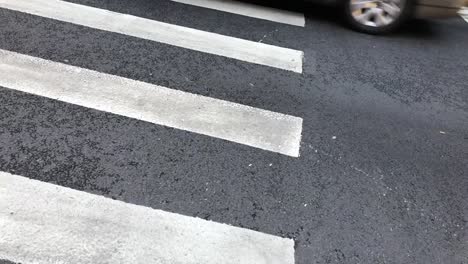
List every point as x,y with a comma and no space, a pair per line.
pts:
377,17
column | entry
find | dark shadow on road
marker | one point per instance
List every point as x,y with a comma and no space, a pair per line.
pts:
417,28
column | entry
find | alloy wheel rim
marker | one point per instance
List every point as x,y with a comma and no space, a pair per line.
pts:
376,13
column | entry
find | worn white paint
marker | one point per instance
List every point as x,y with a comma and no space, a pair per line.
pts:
250,10
45,223
240,49
156,104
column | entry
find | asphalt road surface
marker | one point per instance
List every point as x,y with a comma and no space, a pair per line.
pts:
347,148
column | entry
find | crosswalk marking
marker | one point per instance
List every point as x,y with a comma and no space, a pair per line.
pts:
46,223
156,104
464,13
250,10
240,49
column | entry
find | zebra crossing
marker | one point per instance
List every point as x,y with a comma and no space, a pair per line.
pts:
32,211
464,13
50,221
249,51
234,122
246,9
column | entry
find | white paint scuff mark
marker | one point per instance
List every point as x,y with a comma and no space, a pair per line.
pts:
235,48
156,104
250,10
45,223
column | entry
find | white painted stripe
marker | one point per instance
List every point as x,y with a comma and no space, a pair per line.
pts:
250,10
240,49
464,13
208,116
45,223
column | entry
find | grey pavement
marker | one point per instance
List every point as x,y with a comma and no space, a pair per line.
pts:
382,175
